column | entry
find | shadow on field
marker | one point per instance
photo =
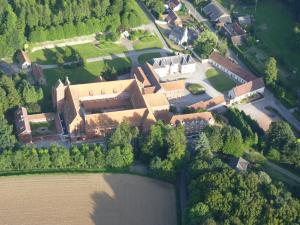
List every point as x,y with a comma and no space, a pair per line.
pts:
133,200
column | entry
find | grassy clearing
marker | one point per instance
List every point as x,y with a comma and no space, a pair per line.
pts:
219,80
195,89
85,51
43,128
148,56
147,42
81,74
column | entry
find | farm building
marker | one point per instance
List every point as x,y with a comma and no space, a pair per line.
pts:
246,90
174,64
216,13
179,35
23,60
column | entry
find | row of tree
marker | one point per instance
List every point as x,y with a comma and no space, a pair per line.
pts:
220,195
249,128
57,19
163,149
281,144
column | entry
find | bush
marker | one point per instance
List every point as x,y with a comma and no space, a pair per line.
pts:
196,89
274,155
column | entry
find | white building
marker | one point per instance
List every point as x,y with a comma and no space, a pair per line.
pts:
179,35
231,69
246,90
24,60
174,64
175,5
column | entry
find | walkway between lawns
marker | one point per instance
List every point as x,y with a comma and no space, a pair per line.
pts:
133,55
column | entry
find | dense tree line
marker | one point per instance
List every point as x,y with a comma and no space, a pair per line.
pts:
164,150
227,140
281,144
220,195
56,19
249,128
117,153
14,93
156,7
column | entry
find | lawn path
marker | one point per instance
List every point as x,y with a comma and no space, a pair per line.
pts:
283,171
64,42
133,55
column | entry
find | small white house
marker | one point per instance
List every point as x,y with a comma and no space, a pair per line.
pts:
179,35
24,60
175,5
174,64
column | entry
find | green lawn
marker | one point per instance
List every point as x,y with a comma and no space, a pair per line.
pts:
274,27
85,51
219,80
195,89
43,128
148,56
81,74
147,42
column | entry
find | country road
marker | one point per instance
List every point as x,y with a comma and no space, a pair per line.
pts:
283,171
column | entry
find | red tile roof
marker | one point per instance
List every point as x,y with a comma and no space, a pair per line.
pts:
234,68
209,103
248,87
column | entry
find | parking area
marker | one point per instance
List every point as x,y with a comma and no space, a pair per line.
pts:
198,77
257,111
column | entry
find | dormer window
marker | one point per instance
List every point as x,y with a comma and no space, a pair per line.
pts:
91,93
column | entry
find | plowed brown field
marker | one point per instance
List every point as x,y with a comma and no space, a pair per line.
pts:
104,199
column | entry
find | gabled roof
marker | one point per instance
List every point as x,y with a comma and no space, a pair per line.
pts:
214,10
173,85
204,116
141,76
174,3
178,33
244,20
239,163
209,103
248,87
22,121
156,99
232,67
23,57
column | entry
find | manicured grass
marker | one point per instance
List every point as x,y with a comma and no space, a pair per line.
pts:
49,126
274,27
148,56
81,74
219,80
195,89
85,51
147,42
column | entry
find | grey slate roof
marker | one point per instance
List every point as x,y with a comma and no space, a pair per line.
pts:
214,10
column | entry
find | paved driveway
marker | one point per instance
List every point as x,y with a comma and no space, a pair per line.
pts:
197,77
257,111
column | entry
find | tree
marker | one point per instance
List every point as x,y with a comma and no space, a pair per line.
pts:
271,71
7,139
114,158
233,141
202,145
206,43
214,135
278,135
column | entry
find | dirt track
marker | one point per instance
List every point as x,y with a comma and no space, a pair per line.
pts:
108,199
